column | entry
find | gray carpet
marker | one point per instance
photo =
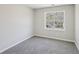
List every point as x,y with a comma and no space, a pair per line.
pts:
39,45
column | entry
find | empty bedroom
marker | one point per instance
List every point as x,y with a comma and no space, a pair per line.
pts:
39,29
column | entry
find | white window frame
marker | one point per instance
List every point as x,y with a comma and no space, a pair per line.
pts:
54,28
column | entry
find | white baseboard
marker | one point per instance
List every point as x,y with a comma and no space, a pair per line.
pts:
56,38
15,44
77,45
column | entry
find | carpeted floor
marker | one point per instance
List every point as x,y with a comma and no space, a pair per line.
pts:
40,45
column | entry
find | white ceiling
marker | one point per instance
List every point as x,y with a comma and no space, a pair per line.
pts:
36,6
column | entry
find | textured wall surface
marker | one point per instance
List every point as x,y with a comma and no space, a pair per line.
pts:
77,25
16,24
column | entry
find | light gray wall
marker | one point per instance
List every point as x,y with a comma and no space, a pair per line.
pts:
67,35
16,24
77,25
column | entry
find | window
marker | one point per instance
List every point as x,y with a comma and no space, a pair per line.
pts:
55,20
